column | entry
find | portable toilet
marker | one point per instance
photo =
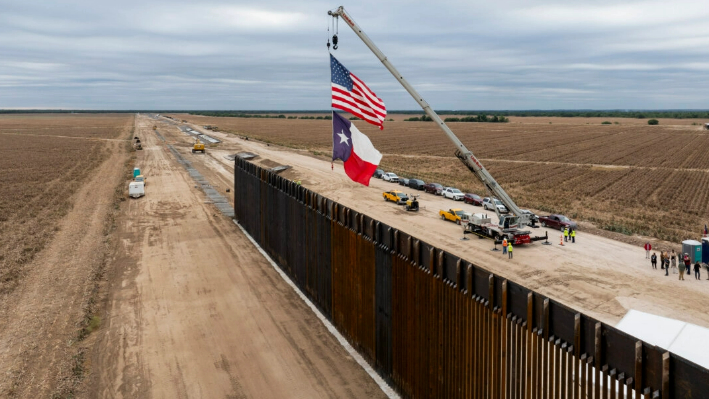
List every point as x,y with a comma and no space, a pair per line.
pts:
694,249
705,250
136,172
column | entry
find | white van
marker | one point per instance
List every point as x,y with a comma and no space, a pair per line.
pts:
136,189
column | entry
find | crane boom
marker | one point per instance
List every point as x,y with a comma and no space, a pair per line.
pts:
462,153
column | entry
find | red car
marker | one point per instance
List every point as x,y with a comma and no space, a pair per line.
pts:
557,222
474,199
433,188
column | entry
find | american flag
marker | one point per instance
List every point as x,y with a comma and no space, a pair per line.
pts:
352,95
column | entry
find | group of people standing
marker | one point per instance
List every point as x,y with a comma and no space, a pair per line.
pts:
569,234
507,247
679,263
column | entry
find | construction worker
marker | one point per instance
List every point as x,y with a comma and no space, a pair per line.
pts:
504,245
573,236
509,249
566,234
648,248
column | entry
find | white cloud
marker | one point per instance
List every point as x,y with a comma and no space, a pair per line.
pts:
458,54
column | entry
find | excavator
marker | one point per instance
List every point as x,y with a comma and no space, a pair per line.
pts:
509,224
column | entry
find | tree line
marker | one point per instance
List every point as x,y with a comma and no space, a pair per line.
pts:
476,118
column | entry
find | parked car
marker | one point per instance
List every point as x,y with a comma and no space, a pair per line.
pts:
391,177
452,193
474,199
533,219
491,203
454,215
433,188
378,173
557,222
416,183
403,182
395,196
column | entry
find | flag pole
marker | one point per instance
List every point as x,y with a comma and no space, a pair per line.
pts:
332,161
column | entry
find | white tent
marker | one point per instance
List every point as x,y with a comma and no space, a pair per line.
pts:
683,339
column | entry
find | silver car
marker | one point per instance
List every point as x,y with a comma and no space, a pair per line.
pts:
491,203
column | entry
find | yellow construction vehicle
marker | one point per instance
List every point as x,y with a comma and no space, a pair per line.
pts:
198,147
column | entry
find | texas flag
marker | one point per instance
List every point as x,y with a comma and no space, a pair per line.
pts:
354,149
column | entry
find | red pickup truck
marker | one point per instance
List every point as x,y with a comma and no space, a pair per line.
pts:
557,222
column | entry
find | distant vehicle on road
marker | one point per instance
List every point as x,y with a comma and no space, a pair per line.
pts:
491,203
556,221
403,181
416,184
474,199
390,177
433,188
452,193
395,196
378,173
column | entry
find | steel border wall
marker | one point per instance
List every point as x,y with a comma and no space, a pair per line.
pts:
439,326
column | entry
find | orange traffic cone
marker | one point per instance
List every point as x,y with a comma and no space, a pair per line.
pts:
561,240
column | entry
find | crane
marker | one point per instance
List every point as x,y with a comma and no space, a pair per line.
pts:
517,218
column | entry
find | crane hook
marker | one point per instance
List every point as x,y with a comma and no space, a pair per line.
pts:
334,42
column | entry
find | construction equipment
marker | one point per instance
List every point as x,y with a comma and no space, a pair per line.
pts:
481,224
508,224
198,147
412,204
155,127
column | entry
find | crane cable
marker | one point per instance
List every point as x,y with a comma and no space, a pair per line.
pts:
328,36
335,30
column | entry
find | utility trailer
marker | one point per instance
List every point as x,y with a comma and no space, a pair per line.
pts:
481,224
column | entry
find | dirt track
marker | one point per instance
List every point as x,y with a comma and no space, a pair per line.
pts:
196,311
602,277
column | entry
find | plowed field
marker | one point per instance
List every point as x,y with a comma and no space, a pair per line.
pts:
44,159
627,177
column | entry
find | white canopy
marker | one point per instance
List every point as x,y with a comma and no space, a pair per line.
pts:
678,337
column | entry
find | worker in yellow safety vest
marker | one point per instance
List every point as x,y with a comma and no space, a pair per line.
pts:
566,234
509,249
573,236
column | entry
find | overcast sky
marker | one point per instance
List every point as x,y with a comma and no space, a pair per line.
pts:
254,55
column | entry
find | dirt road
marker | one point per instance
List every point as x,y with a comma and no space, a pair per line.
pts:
195,309
600,276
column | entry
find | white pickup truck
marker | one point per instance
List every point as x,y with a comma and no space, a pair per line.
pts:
452,193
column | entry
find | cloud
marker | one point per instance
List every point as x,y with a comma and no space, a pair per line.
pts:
271,54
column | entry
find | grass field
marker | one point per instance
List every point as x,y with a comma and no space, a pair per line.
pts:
626,177
44,159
